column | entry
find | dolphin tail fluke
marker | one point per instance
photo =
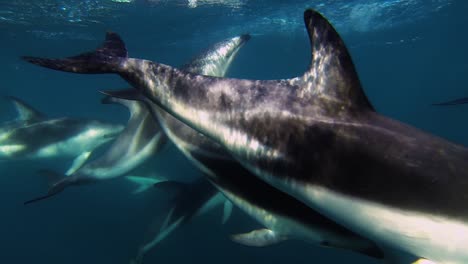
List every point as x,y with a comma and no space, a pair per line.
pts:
57,183
105,59
453,102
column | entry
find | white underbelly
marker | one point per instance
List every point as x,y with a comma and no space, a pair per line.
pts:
433,237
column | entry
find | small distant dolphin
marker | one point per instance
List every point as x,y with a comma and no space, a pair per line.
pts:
141,139
33,136
463,100
318,138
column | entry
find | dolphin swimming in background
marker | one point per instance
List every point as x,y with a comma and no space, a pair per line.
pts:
189,200
318,138
33,136
140,140
463,100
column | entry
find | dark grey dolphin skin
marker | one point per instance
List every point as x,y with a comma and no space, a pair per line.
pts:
317,138
284,216
140,140
34,136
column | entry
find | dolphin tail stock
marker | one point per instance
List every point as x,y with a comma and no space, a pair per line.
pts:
105,59
57,183
458,101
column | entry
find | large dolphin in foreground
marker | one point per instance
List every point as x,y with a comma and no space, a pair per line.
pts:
283,216
34,136
318,138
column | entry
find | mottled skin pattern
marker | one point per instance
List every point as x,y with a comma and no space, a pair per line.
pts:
315,129
219,166
250,193
320,130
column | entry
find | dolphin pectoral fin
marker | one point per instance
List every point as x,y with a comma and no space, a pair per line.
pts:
453,102
227,211
57,183
104,59
258,238
25,112
78,162
143,183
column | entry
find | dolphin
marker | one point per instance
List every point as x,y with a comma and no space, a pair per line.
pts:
285,217
458,101
34,136
188,200
317,138
140,140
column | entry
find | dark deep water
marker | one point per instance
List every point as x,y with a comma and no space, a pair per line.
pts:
408,54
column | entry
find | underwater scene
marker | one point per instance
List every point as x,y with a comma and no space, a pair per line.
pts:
234,131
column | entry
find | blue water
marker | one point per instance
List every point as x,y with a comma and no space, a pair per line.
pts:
408,54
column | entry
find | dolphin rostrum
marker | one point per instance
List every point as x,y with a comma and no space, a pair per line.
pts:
318,138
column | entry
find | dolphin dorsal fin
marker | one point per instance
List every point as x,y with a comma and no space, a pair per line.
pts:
130,98
331,74
25,112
